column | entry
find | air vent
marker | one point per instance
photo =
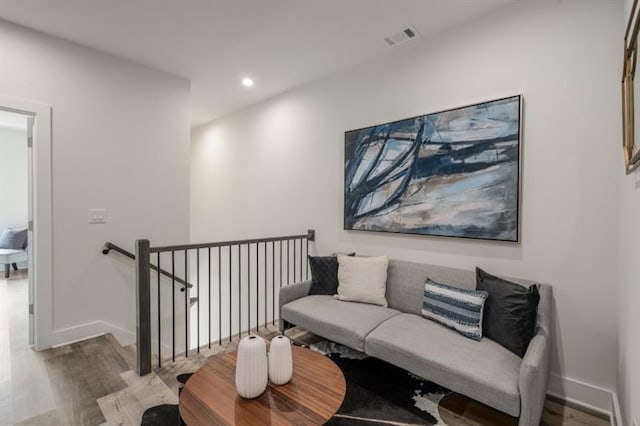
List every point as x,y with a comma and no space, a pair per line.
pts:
401,37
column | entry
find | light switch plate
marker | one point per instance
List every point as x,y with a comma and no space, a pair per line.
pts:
97,216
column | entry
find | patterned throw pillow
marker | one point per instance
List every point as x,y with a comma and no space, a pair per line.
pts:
455,308
324,275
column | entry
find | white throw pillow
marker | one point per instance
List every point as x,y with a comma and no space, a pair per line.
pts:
362,279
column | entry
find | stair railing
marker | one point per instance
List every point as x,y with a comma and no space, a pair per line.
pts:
108,246
242,272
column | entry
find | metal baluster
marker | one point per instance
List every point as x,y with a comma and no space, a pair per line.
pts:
307,276
159,322
288,266
280,261
294,261
300,259
173,305
186,305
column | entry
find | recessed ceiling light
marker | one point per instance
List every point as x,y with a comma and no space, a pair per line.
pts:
247,82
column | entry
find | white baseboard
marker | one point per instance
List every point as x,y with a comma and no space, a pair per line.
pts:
85,331
616,415
78,333
581,394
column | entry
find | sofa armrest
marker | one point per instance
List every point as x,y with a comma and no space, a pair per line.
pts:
290,293
533,380
534,370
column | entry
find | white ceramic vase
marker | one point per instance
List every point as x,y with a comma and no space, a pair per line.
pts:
280,360
251,367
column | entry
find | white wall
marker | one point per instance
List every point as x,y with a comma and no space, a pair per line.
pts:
629,298
277,168
628,390
120,139
14,207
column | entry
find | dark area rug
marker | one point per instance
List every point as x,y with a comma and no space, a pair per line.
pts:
378,393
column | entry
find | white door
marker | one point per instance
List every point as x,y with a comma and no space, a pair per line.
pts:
30,251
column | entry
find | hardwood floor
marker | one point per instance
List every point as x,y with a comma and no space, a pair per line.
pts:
456,410
92,382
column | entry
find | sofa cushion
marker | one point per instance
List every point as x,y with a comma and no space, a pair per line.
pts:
347,323
12,256
482,370
405,283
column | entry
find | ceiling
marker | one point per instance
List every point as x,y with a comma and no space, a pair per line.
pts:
281,44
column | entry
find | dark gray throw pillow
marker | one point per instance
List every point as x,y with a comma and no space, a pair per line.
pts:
510,311
324,274
14,239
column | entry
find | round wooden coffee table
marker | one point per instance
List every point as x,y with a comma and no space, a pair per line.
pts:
313,395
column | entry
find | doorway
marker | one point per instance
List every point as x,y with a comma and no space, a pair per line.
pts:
36,269
16,214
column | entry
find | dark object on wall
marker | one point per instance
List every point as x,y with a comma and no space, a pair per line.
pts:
510,311
454,173
630,99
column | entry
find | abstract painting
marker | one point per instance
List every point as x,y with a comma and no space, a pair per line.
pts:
453,173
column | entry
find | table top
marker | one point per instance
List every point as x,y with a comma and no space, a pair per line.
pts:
313,395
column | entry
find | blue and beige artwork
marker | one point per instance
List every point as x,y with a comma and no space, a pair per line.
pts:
453,173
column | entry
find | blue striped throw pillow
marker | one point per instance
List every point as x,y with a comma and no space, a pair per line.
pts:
455,308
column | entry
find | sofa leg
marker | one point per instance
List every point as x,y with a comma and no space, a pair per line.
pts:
15,266
7,270
285,325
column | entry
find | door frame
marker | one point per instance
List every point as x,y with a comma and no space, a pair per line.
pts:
42,244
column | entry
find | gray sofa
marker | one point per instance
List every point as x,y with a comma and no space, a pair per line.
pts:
484,371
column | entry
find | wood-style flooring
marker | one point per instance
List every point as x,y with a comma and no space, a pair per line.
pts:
93,383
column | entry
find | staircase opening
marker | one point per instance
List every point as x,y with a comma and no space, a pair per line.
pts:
191,296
